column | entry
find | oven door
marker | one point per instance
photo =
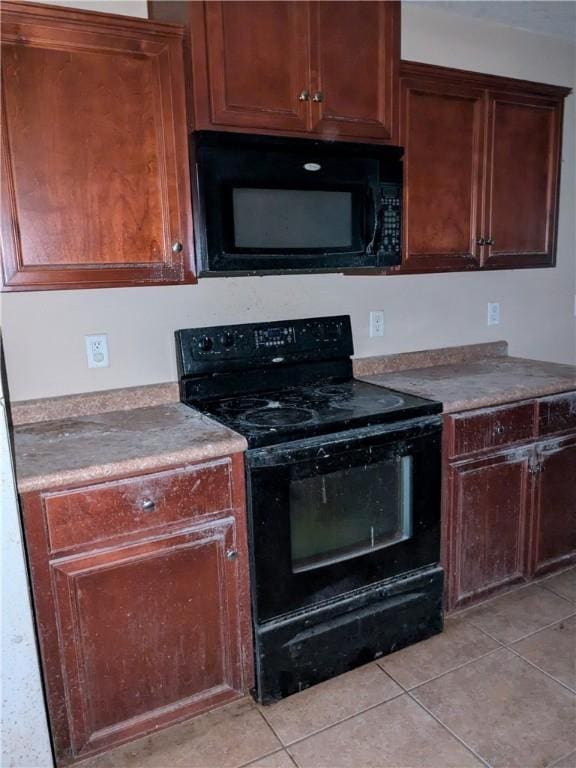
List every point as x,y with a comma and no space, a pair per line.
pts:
337,513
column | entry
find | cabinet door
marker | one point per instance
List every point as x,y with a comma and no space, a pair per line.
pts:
524,136
94,157
355,54
257,64
554,528
442,133
488,501
149,633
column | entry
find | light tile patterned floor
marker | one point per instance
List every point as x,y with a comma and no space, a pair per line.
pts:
497,689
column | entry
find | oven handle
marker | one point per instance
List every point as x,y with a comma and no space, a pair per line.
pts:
343,442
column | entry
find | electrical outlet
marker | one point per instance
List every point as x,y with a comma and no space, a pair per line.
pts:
97,351
376,323
493,314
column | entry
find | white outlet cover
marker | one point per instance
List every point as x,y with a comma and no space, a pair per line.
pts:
493,313
376,323
97,350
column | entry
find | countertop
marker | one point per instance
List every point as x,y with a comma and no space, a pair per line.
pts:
81,449
486,377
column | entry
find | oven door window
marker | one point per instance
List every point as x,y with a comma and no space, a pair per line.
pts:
350,512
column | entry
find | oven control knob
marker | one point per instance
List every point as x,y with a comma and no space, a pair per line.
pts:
205,343
227,340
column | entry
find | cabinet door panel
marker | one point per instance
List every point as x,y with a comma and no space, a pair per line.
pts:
147,631
95,188
258,64
355,60
489,500
524,141
443,139
555,513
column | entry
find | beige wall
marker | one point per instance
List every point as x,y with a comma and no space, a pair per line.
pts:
44,332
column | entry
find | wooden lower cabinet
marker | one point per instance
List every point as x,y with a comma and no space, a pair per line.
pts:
150,628
554,529
509,501
490,501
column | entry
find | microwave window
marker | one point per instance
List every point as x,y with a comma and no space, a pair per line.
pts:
292,218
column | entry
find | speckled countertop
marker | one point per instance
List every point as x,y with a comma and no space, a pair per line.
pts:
103,446
482,375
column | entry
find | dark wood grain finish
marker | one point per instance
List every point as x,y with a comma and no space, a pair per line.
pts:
140,633
490,501
106,511
247,63
442,133
508,513
490,428
355,56
95,181
522,185
482,169
554,527
557,414
258,64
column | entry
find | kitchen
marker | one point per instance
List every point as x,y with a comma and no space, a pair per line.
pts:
421,311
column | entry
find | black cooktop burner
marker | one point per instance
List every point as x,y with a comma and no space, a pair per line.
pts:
274,416
297,412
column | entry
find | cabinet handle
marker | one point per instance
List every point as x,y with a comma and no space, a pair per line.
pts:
232,554
148,505
177,247
500,429
481,241
304,96
318,97
490,241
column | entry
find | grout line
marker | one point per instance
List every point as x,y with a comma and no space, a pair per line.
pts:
544,672
268,754
292,759
529,634
450,731
263,716
447,671
549,589
568,754
344,719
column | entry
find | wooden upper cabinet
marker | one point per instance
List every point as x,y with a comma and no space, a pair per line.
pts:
523,174
94,151
442,133
355,60
257,65
482,169
285,67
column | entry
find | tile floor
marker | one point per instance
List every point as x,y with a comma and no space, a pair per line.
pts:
497,688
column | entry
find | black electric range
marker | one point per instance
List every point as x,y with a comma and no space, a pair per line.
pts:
343,495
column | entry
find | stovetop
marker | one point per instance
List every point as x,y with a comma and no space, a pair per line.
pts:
297,412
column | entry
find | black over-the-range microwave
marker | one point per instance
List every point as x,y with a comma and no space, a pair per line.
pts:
266,205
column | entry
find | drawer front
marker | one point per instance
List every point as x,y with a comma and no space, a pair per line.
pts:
557,414
137,505
491,428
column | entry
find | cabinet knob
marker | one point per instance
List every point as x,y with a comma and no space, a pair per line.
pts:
148,505
304,96
177,247
490,241
318,96
500,429
232,554
481,241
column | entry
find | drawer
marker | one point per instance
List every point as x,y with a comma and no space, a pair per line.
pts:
557,414
490,428
135,506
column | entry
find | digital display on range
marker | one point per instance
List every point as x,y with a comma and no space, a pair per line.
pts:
274,337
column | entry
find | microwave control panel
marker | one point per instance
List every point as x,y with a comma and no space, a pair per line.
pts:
390,213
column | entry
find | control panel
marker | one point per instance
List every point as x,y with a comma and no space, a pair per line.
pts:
390,211
231,347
